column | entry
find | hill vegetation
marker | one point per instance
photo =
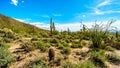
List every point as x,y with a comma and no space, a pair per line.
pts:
19,27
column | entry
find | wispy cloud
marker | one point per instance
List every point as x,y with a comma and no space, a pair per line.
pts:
104,3
14,2
56,15
45,16
73,26
97,10
26,20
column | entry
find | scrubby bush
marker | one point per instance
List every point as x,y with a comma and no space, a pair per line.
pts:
113,58
66,51
98,58
39,62
68,64
27,46
54,40
77,45
87,64
42,46
34,39
109,48
60,46
6,57
99,33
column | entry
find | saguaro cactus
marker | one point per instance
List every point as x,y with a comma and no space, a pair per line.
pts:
51,54
51,26
116,34
68,31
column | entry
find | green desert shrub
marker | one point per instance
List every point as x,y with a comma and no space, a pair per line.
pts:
68,64
98,33
39,62
27,46
66,51
109,48
54,40
65,44
34,39
113,58
60,46
87,64
7,40
42,46
98,58
6,57
77,45
116,45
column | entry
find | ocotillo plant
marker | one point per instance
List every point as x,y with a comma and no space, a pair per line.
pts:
84,28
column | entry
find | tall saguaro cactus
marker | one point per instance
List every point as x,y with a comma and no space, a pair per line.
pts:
68,31
51,26
116,34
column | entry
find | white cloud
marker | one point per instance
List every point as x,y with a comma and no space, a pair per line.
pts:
97,10
14,2
74,26
56,15
23,20
104,3
45,16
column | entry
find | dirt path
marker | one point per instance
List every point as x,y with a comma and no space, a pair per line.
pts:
117,52
14,46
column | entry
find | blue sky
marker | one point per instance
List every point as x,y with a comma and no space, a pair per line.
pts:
65,13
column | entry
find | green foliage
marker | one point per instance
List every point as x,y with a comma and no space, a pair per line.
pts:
27,46
98,58
54,40
68,64
67,51
113,58
18,27
34,39
115,45
42,46
60,46
77,45
98,33
39,62
6,57
87,64
109,48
